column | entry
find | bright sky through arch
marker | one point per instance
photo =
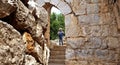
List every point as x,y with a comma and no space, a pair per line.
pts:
55,10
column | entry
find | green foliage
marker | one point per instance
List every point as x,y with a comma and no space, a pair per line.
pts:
56,22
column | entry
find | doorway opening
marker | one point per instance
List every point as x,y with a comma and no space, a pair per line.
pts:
56,21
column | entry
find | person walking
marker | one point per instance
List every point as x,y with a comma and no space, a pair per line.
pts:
60,35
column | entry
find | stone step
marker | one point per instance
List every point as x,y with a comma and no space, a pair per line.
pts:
55,64
59,48
57,61
57,57
57,52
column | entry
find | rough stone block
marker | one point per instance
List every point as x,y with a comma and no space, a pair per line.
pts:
113,57
71,23
104,30
79,6
93,1
104,45
76,42
6,8
69,1
55,2
70,54
112,42
84,19
12,46
92,19
86,30
64,7
95,31
40,2
101,54
93,63
103,8
106,18
68,19
84,54
47,0
92,8
74,62
111,63
94,42
113,31
82,62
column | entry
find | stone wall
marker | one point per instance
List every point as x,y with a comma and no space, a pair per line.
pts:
92,31
99,43
22,29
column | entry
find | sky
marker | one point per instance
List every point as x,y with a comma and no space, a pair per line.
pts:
55,10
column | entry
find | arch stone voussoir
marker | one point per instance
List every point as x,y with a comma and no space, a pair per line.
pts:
40,2
54,2
64,7
47,0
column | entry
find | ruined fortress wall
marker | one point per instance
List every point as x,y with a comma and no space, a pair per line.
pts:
91,31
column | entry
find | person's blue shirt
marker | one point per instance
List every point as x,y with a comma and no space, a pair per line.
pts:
61,34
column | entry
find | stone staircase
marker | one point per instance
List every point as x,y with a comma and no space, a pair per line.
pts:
57,55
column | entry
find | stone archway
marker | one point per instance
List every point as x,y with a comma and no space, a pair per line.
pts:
70,19
61,5
91,31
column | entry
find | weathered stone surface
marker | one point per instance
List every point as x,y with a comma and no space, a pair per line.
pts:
84,19
104,44
113,56
40,2
70,54
92,8
103,8
93,63
47,0
105,30
33,22
94,42
86,30
64,7
92,19
11,45
77,63
113,31
84,54
55,2
95,31
42,16
6,7
69,1
116,9
30,60
71,24
79,6
94,1
92,29
112,42
68,20
102,54
76,42
105,18
22,15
